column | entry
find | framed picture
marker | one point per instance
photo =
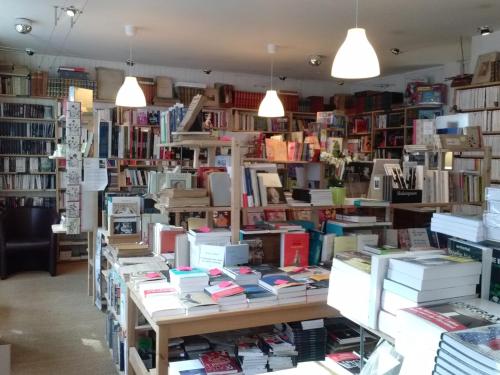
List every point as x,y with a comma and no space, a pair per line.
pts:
275,215
275,195
484,66
124,206
124,225
255,217
177,181
222,219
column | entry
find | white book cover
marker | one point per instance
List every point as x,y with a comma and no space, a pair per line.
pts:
430,284
436,266
166,306
428,295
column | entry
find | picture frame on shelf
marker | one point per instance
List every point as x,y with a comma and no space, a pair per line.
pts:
484,67
123,225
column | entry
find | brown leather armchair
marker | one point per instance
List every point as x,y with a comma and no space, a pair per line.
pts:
27,241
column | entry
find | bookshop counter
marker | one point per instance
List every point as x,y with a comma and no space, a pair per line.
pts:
176,326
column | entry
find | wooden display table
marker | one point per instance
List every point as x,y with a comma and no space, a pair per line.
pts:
185,325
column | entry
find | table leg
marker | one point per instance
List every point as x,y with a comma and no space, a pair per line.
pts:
130,334
162,350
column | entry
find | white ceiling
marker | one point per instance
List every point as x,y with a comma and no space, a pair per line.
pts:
231,35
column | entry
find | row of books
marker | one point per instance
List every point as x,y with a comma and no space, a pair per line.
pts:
292,151
170,121
488,120
59,87
493,141
483,97
136,177
26,147
27,182
390,120
214,119
245,99
27,129
27,165
39,83
13,85
128,141
140,116
466,188
251,122
261,185
13,202
21,110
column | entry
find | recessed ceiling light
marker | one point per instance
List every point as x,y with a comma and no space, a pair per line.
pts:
395,51
71,11
484,30
23,25
315,60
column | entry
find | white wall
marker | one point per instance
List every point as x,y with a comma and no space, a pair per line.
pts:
484,44
241,81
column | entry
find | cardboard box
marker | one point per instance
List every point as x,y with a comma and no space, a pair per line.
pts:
109,82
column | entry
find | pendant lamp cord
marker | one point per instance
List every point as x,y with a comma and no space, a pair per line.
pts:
356,14
272,66
130,62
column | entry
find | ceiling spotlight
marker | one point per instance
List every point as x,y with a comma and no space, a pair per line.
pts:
23,25
395,51
71,11
282,78
207,71
29,51
315,60
484,30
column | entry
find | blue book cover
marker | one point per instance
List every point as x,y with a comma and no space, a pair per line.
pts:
103,139
193,272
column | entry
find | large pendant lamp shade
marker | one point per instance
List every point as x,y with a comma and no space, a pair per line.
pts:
356,57
271,105
130,94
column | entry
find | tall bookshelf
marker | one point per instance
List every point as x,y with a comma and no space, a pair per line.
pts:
28,137
384,133
482,104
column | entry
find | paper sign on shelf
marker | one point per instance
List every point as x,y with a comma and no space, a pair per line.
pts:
95,174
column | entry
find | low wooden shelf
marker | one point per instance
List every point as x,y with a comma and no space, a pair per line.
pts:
166,328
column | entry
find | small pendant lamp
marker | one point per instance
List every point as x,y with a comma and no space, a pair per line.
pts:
271,105
130,93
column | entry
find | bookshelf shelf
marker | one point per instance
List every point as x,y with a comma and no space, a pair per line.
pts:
260,160
24,119
26,156
30,138
464,110
394,147
190,209
390,128
28,172
478,85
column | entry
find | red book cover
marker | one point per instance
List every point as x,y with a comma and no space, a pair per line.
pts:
224,289
167,240
219,363
294,249
447,323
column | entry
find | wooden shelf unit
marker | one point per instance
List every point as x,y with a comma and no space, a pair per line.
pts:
404,131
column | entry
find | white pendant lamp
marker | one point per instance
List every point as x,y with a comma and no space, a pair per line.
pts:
130,93
356,57
271,105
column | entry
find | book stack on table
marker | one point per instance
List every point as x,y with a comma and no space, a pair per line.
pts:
425,280
470,351
250,356
467,227
281,353
309,338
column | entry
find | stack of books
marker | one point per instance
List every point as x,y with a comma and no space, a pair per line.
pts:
344,363
184,198
196,346
285,288
321,197
281,353
343,336
469,228
426,280
316,279
470,351
350,285
309,339
198,303
492,215
191,366
250,356
242,275
420,329
187,279
229,295
217,363
258,296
